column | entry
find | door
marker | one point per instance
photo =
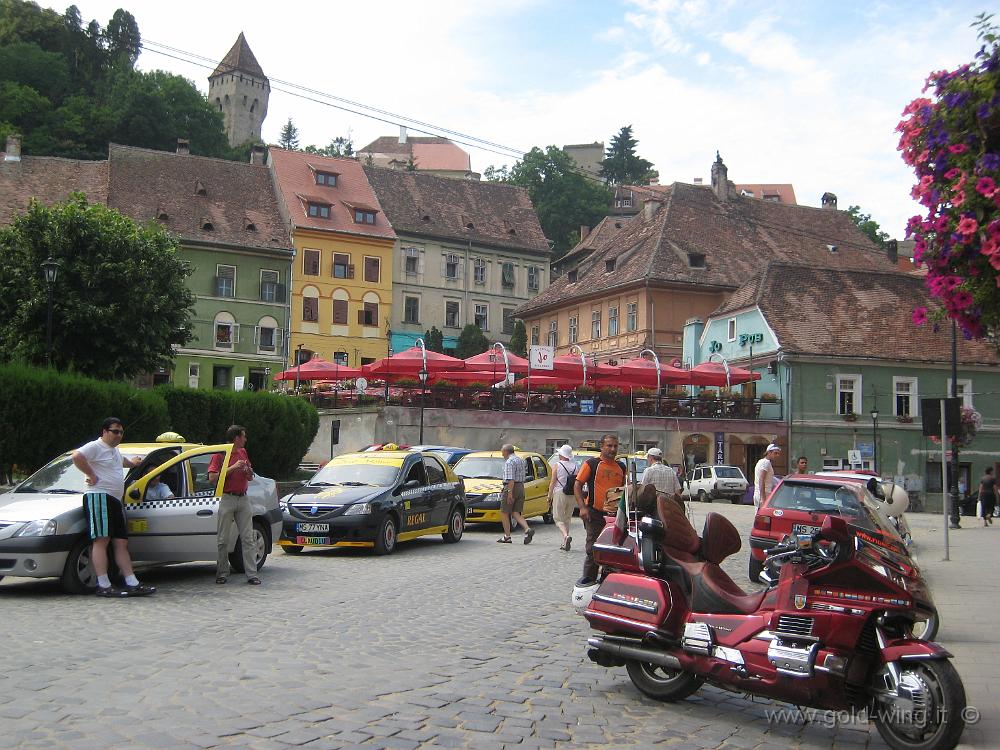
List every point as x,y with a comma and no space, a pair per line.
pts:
182,527
536,487
439,491
755,452
415,505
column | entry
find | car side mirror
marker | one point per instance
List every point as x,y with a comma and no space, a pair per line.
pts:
835,529
411,484
134,494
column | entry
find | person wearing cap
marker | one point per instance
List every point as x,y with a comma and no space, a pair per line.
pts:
763,475
661,475
562,502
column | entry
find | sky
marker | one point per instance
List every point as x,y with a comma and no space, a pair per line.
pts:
807,93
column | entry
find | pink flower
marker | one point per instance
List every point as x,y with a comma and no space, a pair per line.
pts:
941,225
995,261
952,173
986,186
920,313
959,198
961,299
958,148
990,247
923,156
967,226
950,283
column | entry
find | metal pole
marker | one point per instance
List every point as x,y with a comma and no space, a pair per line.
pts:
48,330
875,442
656,361
423,392
955,515
944,475
298,365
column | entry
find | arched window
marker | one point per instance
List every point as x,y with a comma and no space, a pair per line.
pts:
267,335
341,307
218,103
226,331
310,305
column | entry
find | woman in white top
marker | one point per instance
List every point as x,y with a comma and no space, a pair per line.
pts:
562,503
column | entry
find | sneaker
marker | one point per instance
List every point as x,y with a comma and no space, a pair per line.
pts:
110,592
140,589
504,540
569,541
527,536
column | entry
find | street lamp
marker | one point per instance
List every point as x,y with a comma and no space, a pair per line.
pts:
298,365
50,267
875,439
423,390
656,360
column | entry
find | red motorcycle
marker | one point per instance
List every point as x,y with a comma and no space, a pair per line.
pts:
833,631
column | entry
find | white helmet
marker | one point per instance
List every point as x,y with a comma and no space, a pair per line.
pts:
582,596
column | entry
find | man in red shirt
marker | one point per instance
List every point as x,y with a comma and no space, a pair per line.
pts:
234,505
599,476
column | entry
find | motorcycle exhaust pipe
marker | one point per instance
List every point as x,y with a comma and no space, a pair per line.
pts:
635,653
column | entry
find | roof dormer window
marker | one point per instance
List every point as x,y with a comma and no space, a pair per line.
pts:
696,260
199,188
318,210
572,276
609,265
249,225
162,215
363,217
207,225
329,179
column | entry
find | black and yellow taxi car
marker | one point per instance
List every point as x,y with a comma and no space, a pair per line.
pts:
482,472
374,500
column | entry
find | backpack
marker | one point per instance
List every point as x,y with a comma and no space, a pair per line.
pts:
568,485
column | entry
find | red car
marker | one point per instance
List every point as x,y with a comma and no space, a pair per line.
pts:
799,503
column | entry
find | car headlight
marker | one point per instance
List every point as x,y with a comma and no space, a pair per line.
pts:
42,527
358,509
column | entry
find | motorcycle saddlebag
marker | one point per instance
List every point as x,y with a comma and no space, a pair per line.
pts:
628,602
616,557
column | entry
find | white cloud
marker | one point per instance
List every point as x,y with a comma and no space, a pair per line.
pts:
703,58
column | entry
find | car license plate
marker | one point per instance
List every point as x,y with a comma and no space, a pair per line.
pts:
311,528
804,528
301,540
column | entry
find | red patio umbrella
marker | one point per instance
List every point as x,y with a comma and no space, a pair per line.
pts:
570,366
714,373
642,372
319,369
462,377
411,362
492,361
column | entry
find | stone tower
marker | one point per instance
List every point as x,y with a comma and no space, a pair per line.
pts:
239,88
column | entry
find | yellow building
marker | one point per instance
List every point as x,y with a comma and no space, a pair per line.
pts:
341,297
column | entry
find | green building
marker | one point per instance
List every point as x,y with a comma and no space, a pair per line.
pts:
225,215
840,350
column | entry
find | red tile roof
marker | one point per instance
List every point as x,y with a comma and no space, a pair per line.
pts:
294,174
734,238
239,58
146,184
851,313
443,207
429,153
49,180
784,192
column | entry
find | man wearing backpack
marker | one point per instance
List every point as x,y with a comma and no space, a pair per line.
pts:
599,475
561,493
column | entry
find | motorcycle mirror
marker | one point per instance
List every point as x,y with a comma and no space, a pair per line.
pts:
835,529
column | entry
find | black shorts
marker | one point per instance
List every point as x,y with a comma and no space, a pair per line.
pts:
105,516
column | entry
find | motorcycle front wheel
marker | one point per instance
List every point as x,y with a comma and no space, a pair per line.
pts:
660,683
937,721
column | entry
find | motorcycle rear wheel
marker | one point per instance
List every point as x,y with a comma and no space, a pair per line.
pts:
660,683
939,726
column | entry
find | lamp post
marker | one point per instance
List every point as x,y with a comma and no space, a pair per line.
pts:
875,439
298,365
423,391
50,267
956,514
656,361
575,349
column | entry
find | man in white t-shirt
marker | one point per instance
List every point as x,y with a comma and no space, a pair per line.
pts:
763,475
102,463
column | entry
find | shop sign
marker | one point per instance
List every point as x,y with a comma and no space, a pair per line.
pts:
720,448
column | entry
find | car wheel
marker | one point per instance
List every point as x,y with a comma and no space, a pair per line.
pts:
703,497
754,570
456,526
291,549
260,548
385,541
734,500
78,575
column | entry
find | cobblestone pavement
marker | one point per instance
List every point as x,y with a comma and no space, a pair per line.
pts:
469,645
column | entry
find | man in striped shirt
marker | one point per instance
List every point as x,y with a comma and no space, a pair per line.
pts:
512,495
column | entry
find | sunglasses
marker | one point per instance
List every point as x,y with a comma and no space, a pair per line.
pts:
117,432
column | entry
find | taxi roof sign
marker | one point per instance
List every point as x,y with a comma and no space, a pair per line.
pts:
169,437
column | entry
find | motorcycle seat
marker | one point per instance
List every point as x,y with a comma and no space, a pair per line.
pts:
714,592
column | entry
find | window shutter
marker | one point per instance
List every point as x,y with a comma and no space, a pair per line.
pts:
256,335
461,269
236,333
350,271
420,263
340,312
216,286
280,293
361,317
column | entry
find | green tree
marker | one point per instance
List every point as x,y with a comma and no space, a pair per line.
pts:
519,339
563,197
434,340
621,165
342,146
289,138
120,302
868,225
122,39
471,341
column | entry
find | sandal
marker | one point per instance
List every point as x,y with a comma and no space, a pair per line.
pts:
221,579
504,540
255,581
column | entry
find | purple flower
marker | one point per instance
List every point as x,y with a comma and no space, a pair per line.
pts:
990,162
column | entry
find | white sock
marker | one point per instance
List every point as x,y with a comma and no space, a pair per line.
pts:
103,581
131,580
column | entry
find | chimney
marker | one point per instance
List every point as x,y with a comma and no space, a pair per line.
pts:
402,134
829,201
183,146
258,154
13,152
584,231
892,250
649,207
720,179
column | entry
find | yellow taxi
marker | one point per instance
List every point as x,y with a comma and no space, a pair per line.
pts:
482,472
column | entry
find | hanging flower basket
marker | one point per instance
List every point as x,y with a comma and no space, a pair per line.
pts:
849,417
971,423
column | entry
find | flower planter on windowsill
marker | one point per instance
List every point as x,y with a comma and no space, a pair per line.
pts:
849,417
904,419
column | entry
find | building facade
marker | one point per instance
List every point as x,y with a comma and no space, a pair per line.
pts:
226,217
466,252
342,286
239,90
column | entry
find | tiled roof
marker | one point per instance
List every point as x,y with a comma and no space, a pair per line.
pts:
49,180
733,238
294,173
783,191
239,58
598,237
852,313
432,206
188,194
429,153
